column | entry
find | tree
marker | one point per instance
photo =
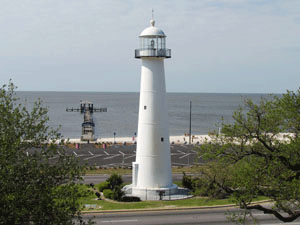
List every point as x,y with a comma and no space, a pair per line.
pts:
37,179
115,183
259,155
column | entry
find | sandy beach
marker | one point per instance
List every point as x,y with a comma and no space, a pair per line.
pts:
196,139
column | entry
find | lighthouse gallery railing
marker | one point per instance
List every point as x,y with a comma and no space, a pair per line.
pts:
153,53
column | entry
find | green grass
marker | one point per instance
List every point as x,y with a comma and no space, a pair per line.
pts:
122,171
91,199
192,202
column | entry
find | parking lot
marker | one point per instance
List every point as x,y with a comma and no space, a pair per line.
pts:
123,155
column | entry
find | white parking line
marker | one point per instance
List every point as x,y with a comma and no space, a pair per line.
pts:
180,151
184,156
176,153
201,156
129,157
91,153
112,156
74,153
106,153
92,157
122,153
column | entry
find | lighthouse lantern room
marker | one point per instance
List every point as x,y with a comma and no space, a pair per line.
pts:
152,43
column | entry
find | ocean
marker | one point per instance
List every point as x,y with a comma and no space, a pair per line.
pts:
122,111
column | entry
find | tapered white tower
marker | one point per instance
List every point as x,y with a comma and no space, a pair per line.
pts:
152,174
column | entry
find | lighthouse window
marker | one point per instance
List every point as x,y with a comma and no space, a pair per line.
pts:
162,139
152,44
145,107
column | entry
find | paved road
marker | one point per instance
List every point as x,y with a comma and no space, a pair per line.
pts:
202,216
95,179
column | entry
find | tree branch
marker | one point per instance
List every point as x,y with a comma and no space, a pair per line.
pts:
290,218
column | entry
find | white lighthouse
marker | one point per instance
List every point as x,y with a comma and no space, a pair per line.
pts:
152,173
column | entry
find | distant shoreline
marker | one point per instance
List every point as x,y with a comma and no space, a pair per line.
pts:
183,139
196,139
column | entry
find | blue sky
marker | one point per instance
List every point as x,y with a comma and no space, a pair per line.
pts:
225,46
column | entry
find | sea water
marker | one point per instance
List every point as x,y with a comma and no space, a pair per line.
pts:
121,117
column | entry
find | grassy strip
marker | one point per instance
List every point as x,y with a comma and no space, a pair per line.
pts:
91,199
122,171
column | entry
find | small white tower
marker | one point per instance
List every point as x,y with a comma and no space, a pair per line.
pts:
152,173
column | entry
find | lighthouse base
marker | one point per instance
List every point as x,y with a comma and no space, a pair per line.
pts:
156,194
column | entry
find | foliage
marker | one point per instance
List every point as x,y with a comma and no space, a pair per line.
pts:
117,194
259,154
33,168
130,199
241,217
103,185
187,181
202,186
108,193
112,187
115,181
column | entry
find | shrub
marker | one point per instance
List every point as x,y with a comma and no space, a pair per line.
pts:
103,185
98,194
117,194
115,180
130,199
112,187
108,193
187,181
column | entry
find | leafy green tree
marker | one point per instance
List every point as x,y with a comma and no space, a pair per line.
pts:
115,181
114,186
259,155
37,179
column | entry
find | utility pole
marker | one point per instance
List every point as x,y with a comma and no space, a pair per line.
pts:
190,130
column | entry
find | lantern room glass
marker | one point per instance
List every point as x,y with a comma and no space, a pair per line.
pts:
154,43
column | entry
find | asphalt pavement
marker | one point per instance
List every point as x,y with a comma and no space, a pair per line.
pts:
204,216
119,155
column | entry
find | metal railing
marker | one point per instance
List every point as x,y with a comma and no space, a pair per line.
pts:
181,193
152,52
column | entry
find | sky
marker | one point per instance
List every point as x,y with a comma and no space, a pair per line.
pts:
218,46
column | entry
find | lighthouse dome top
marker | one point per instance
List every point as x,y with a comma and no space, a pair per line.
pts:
152,31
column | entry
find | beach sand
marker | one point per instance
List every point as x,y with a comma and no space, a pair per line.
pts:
196,139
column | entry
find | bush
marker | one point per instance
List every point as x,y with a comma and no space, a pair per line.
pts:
98,194
103,185
115,181
108,193
130,199
112,187
117,194
187,181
